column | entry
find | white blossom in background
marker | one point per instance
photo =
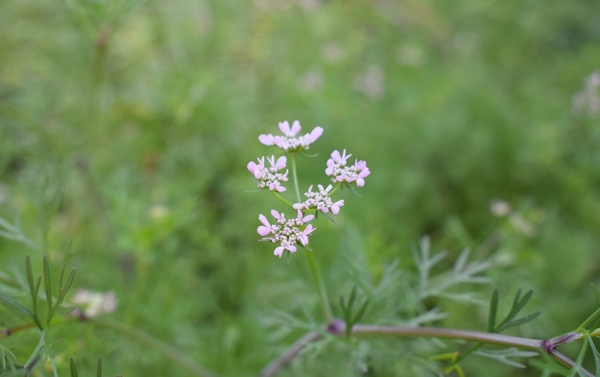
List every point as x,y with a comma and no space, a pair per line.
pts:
94,304
290,142
311,81
286,232
268,177
370,83
309,5
500,208
338,170
332,52
411,55
587,101
522,225
320,201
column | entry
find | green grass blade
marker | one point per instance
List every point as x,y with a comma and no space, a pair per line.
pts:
99,368
493,311
73,368
47,282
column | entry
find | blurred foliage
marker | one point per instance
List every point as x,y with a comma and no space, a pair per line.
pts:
126,126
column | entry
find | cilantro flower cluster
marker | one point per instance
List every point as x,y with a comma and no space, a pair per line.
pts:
320,201
289,142
338,170
286,232
295,232
269,177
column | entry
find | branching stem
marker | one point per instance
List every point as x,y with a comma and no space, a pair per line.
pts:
312,264
338,328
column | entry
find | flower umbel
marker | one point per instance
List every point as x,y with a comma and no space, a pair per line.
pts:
269,177
290,142
320,201
286,232
339,172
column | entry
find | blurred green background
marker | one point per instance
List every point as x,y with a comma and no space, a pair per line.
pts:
126,127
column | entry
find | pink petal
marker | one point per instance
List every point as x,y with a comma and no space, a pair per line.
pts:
330,167
309,229
360,182
335,155
281,163
251,166
335,207
305,219
277,140
280,189
284,127
276,214
266,139
291,248
360,165
264,220
304,237
344,157
263,230
295,128
298,206
316,133
279,251
364,173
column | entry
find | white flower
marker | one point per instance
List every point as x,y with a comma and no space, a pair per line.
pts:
289,142
320,201
286,232
95,303
269,177
339,172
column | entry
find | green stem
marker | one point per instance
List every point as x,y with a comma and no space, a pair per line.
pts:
337,187
282,199
589,320
166,349
325,307
295,175
436,332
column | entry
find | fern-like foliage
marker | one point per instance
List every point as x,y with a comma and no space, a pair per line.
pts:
440,285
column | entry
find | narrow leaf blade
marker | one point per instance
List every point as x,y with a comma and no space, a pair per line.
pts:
493,311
